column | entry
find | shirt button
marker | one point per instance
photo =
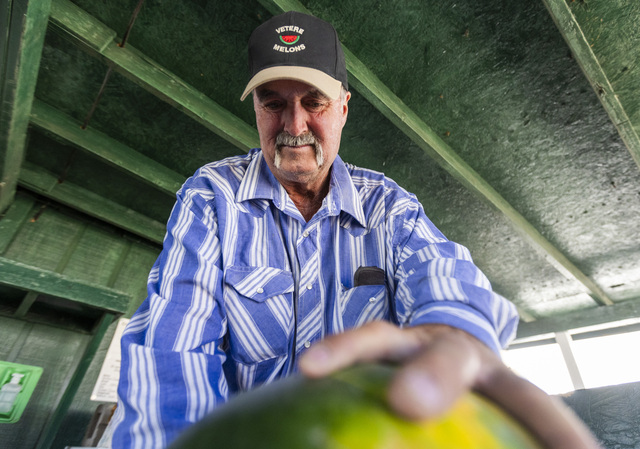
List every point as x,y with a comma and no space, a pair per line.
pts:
309,286
305,234
259,290
307,344
372,299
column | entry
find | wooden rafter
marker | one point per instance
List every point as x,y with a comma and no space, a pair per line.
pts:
41,181
26,277
581,318
588,62
105,148
94,36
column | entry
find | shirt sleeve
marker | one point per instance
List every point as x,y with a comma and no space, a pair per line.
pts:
437,282
172,349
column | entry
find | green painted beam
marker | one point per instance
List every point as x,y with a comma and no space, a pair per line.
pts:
29,278
105,148
41,181
24,24
392,107
581,318
94,36
588,61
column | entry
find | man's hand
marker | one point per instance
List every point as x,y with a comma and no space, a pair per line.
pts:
438,364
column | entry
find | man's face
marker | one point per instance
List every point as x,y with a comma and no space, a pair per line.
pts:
300,131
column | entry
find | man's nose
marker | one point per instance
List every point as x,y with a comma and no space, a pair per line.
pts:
295,120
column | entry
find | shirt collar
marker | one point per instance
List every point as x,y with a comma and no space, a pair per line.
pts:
259,183
343,192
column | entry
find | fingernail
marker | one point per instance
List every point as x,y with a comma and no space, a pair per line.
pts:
422,388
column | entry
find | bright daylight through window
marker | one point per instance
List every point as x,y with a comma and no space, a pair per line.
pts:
588,358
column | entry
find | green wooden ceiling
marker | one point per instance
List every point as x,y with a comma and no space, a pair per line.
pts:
515,123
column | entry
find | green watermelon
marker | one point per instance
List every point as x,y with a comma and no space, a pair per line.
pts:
289,39
347,411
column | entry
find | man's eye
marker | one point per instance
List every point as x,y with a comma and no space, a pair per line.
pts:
273,106
314,105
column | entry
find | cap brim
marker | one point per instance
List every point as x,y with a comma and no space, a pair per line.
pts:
326,84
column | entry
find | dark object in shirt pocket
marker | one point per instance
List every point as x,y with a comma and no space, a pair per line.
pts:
368,276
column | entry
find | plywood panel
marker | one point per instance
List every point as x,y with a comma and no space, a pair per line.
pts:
44,240
132,278
80,412
96,256
13,219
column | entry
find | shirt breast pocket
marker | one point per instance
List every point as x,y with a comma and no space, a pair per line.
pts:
259,303
363,304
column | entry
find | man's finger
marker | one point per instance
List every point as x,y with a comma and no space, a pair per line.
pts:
547,418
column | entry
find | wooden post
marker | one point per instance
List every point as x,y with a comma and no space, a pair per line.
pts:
23,25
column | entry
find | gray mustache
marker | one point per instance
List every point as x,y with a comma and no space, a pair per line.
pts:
286,139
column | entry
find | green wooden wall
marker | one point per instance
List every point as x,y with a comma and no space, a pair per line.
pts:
64,279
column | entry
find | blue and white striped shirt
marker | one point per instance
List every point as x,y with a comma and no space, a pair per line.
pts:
244,285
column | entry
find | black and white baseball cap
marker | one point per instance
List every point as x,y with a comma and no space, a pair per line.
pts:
300,47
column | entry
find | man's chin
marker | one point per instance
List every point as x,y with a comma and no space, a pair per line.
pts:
300,172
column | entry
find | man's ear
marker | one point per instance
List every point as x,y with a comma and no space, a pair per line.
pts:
345,107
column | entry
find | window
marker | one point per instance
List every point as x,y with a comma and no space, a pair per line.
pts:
541,364
580,358
608,360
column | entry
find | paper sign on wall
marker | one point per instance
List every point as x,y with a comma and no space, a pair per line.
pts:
106,386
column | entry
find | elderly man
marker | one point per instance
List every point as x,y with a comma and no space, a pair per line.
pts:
288,259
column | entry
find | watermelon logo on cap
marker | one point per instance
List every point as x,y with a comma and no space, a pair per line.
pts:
289,39
289,35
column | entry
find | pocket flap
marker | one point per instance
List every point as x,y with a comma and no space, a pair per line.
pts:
259,283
